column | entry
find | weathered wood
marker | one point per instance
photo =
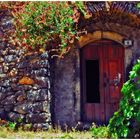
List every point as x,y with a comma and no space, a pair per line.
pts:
111,65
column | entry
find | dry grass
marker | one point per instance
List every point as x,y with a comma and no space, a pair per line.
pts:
50,134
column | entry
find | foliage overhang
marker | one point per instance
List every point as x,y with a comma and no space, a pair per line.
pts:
48,25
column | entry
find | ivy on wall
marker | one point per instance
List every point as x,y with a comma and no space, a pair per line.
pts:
51,25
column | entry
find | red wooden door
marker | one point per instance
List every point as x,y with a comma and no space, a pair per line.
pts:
102,79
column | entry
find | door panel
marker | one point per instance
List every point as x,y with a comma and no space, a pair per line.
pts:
92,110
110,56
114,69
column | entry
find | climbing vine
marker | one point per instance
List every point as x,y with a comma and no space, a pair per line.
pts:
50,25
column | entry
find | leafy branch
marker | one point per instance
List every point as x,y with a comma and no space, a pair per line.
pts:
51,25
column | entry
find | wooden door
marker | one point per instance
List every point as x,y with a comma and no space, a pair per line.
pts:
102,69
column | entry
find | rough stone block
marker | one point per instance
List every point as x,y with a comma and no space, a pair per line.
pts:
1,60
2,96
15,87
40,126
22,64
42,81
2,45
40,107
8,108
2,89
21,98
9,93
9,100
1,70
13,72
37,118
35,87
3,75
8,89
37,95
40,72
44,55
27,108
40,64
5,83
20,92
10,58
26,81
4,52
21,109
34,61
5,68
15,116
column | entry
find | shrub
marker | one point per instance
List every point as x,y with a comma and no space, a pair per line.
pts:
100,132
125,122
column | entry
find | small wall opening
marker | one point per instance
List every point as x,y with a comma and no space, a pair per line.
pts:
92,81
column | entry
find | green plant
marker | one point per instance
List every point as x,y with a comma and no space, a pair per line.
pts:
11,125
100,132
125,121
50,25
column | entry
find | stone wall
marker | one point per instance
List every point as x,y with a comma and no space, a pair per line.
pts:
24,81
24,86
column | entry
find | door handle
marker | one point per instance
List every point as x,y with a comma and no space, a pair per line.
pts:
116,81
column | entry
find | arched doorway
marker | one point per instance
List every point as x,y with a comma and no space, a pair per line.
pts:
102,76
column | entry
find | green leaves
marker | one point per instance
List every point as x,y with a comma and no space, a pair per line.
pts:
137,96
138,116
125,87
12,125
128,112
138,5
47,22
129,106
133,74
100,132
123,131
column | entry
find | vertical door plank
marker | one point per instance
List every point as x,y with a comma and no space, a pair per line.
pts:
88,111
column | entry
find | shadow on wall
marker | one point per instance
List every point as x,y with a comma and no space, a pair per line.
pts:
128,69
133,61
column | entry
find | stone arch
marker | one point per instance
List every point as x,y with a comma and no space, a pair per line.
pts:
98,35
